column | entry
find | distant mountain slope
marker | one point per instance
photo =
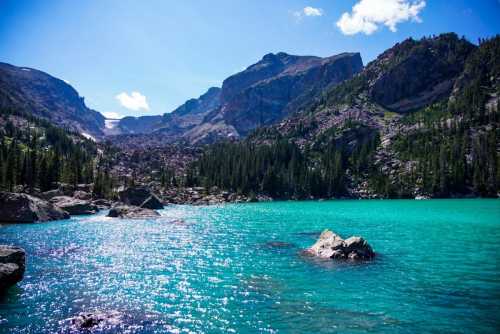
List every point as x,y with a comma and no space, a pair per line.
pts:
270,90
47,97
263,94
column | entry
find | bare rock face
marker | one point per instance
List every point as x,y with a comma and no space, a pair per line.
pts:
12,265
332,246
132,212
74,206
23,208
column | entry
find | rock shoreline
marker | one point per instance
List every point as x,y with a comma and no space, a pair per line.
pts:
12,266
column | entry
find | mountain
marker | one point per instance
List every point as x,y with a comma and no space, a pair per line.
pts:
47,97
420,120
131,125
407,77
263,94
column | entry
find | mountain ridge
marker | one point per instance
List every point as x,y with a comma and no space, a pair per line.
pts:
45,96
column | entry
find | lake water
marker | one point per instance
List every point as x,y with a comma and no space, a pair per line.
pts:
212,270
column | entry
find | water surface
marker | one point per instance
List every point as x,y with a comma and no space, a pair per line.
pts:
236,268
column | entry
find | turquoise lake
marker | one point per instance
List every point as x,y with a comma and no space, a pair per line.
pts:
213,269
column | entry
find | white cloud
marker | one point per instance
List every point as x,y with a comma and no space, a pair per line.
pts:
135,101
368,15
308,11
311,11
112,115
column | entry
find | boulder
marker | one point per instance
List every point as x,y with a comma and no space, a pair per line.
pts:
23,208
153,203
332,246
135,195
47,195
12,265
74,206
79,194
102,204
132,212
85,187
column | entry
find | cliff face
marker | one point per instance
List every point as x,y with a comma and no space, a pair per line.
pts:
44,96
266,92
263,94
413,74
271,99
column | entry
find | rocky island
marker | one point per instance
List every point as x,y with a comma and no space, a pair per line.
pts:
332,246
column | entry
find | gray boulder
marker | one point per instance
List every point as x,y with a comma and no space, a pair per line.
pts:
153,203
79,194
47,195
102,204
332,246
132,212
12,266
74,206
23,208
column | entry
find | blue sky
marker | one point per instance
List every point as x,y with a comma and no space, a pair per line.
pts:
169,51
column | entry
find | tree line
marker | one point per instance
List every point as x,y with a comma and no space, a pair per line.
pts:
36,154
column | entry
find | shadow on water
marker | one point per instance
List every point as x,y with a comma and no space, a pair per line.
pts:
11,295
333,264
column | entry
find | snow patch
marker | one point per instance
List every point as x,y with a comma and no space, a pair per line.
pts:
111,123
86,135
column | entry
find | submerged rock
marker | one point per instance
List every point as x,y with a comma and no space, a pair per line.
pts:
88,320
12,265
23,208
74,206
332,246
278,245
132,212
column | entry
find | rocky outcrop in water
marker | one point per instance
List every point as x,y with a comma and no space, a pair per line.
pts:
12,265
132,212
153,203
23,208
140,196
74,206
332,246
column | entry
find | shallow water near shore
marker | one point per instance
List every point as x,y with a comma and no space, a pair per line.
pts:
236,268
